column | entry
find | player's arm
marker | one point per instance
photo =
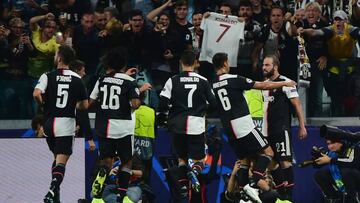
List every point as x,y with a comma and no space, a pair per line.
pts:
210,97
269,85
300,115
82,105
152,15
163,108
94,95
40,89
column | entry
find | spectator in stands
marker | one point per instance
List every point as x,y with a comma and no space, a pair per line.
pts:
88,46
196,32
260,14
136,41
341,39
355,13
19,49
161,51
179,29
277,39
45,44
112,32
28,9
100,20
225,9
72,9
246,45
316,49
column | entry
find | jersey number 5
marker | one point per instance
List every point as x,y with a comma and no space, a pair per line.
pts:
227,27
62,95
192,88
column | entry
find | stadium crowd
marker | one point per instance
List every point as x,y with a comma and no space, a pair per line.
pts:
165,44
157,32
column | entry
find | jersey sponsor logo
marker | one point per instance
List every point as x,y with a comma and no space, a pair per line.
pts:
63,78
189,79
113,81
220,84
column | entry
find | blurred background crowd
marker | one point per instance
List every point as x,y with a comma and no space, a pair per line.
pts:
156,32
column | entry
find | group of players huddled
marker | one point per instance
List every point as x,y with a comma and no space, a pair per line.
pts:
184,103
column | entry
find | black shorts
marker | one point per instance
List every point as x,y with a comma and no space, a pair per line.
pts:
250,145
60,145
189,146
122,147
282,145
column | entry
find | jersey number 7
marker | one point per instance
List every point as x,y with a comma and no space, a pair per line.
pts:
227,27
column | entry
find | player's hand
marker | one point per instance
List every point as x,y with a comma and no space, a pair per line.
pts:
290,83
206,14
146,86
324,159
322,62
92,145
302,133
161,119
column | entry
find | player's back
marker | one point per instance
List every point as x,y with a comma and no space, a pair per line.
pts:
234,111
64,90
114,115
189,94
229,91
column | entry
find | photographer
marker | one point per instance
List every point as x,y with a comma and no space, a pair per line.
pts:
342,179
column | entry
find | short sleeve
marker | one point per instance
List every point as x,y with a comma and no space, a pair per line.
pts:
166,92
95,92
245,83
291,92
134,92
42,83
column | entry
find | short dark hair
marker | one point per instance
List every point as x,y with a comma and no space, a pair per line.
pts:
115,59
275,60
245,3
135,12
36,121
66,53
181,3
219,59
277,7
76,65
188,58
225,5
196,13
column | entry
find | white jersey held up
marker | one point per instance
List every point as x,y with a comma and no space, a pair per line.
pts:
221,34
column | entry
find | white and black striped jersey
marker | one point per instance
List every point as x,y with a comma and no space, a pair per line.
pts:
234,111
277,105
114,116
61,89
189,94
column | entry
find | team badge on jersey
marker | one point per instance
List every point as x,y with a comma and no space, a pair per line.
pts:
248,80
